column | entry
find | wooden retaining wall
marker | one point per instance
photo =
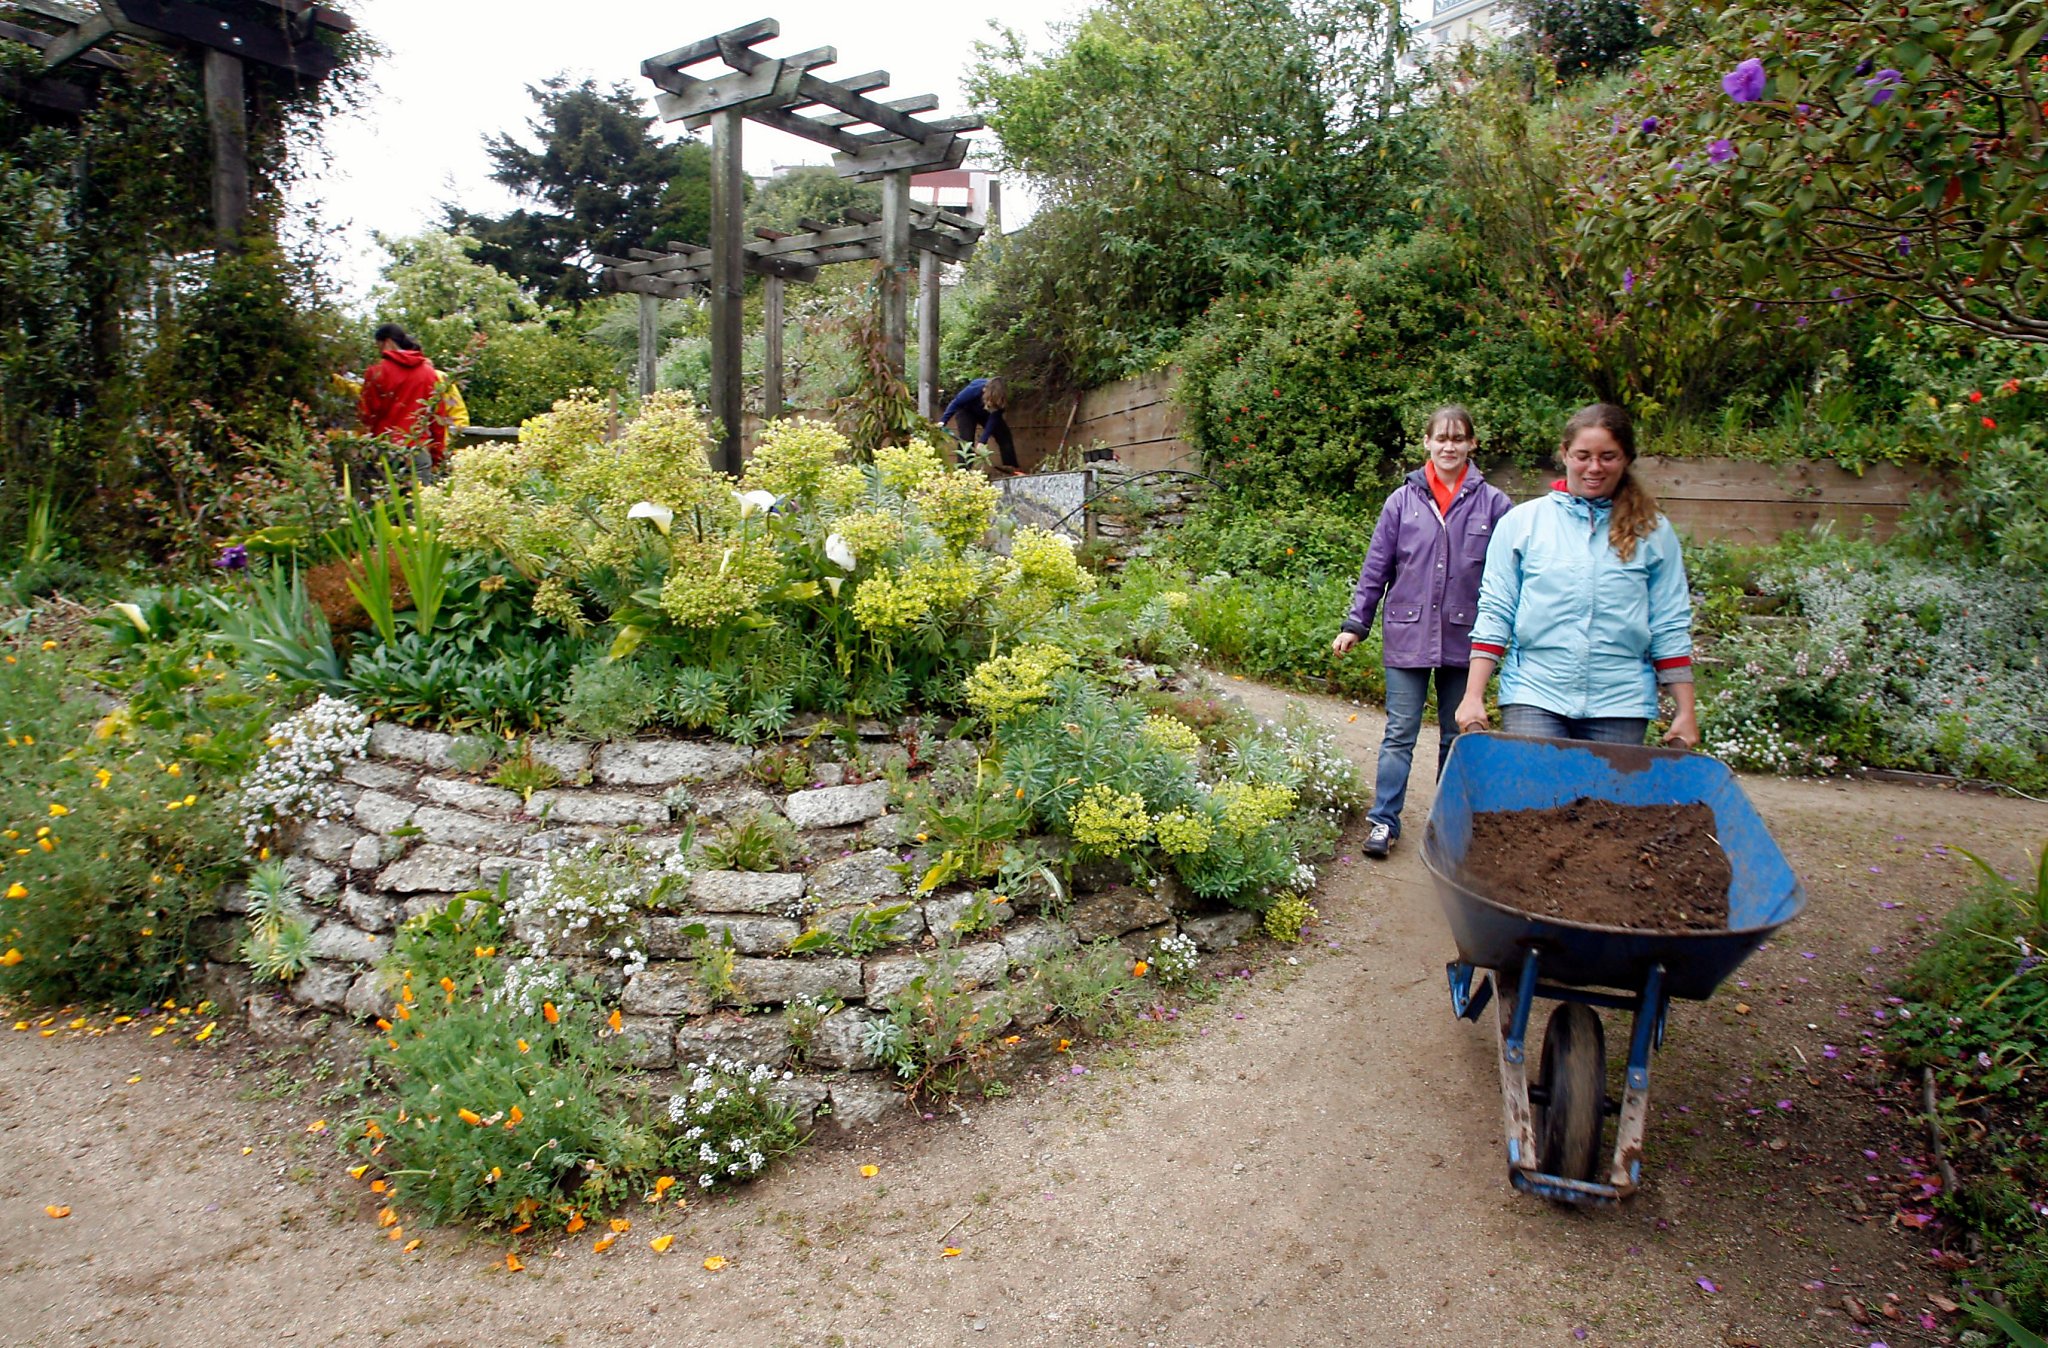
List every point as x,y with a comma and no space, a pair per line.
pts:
1732,499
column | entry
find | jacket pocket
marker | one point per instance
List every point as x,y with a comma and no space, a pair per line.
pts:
1404,613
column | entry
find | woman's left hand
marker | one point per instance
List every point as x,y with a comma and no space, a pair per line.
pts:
1685,730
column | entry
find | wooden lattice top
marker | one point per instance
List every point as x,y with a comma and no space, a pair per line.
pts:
777,90
684,268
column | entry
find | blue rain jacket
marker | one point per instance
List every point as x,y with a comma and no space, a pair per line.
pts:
1578,631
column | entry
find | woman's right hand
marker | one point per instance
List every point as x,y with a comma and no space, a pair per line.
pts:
1344,642
1471,713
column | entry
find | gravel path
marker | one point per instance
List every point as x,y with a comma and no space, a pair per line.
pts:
1314,1158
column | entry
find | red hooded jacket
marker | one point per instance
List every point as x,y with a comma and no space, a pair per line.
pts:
395,388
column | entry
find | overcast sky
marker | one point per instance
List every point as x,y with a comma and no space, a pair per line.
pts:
457,70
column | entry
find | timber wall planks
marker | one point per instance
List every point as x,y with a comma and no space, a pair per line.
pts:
1731,499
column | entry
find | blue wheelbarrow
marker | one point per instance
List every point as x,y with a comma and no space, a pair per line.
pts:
1554,1123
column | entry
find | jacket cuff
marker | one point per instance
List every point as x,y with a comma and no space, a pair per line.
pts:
1489,650
1674,669
1357,628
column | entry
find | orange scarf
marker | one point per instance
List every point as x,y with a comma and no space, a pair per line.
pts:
1444,492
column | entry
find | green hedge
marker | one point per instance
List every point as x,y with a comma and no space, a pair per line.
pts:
1318,389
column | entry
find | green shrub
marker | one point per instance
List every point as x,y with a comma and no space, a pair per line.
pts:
755,841
1976,1013
120,827
608,699
1317,390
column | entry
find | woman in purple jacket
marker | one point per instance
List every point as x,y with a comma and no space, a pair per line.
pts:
1422,571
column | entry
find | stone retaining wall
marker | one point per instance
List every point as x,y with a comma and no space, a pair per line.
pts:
418,833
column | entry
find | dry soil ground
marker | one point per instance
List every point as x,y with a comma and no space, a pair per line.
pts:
1313,1158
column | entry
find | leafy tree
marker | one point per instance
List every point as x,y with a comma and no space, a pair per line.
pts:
520,355
1582,37
1508,132
1800,156
809,192
115,313
1185,149
597,182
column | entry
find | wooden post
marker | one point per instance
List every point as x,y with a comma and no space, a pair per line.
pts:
727,283
928,335
771,348
227,119
992,214
650,344
895,275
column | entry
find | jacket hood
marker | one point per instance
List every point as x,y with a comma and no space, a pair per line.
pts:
409,359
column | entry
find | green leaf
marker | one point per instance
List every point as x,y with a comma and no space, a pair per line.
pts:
627,641
1763,208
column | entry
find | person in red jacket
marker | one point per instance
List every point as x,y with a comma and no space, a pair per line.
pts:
398,402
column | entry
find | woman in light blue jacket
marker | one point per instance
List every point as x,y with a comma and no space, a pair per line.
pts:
1584,606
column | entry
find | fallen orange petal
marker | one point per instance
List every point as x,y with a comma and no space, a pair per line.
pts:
357,1171
950,1252
622,1224
469,1116
377,1186
57,1210
602,1245
412,1244
317,1126
395,1233
870,1171
660,1244
576,1223
615,1020
522,1227
664,1184
386,1217
512,1263
714,1262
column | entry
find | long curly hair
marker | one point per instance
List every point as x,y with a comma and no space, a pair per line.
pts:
1634,516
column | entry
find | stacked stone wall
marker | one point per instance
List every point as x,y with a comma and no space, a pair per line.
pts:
418,834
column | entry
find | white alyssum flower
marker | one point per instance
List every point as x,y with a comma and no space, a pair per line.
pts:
294,780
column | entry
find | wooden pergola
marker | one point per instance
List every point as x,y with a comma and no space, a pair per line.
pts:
780,92
284,37
684,270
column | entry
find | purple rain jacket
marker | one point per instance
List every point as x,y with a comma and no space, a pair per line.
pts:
1423,570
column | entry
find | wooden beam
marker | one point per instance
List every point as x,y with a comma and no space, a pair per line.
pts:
862,108
42,41
218,30
649,342
227,119
915,103
927,335
746,35
78,42
774,84
727,277
895,273
944,152
771,347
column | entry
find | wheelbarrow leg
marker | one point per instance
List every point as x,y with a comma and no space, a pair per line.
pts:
1513,1018
1627,1172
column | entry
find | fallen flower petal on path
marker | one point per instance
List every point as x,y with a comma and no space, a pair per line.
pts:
57,1210
714,1262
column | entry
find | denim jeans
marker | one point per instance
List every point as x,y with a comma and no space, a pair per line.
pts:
1519,718
1407,692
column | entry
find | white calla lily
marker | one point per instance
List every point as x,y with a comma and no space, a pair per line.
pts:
134,615
839,552
660,516
754,502
833,583
725,561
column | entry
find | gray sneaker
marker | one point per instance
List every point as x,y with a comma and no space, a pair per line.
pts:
1380,840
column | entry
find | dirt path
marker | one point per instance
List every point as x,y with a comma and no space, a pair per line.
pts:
1315,1160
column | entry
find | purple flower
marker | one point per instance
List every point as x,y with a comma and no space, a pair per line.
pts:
1802,321
1805,108
1678,166
1650,125
1745,83
1628,280
1882,86
234,557
1863,66
1905,245
1721,151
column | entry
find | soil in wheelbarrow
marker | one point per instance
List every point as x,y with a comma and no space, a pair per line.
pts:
1655,867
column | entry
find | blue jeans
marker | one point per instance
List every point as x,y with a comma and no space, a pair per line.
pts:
1519,718
1407,693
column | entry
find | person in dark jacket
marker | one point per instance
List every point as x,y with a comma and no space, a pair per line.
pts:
976,416
398,401
1421,574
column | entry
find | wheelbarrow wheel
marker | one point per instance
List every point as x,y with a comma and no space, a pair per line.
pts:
1573,1077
